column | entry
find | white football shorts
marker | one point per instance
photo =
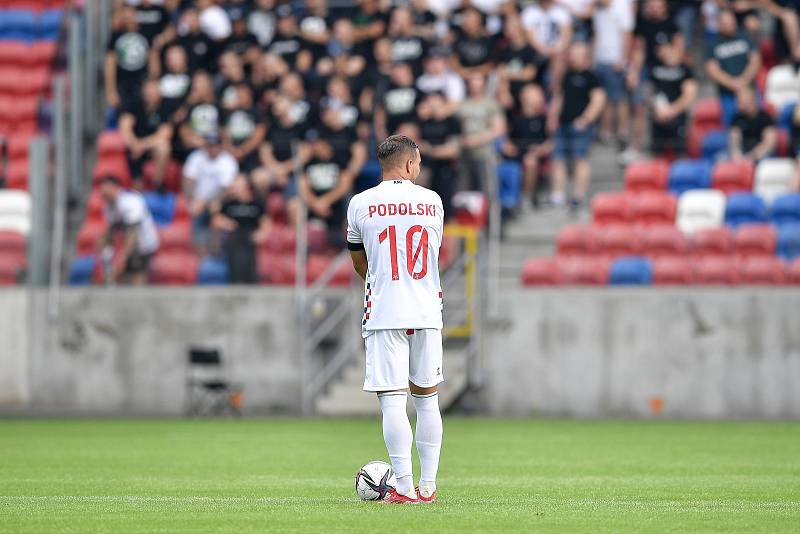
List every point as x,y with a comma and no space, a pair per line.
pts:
396,356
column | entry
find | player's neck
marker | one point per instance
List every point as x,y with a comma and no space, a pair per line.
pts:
393,177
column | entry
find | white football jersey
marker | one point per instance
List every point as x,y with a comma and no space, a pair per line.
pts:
400,225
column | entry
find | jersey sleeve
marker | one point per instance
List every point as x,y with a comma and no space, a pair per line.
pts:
354,240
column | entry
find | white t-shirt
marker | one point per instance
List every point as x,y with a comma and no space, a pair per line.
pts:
400,225
211,176
131,211
546,24
449,83
610,24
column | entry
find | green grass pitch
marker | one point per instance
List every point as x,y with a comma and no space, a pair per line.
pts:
496,475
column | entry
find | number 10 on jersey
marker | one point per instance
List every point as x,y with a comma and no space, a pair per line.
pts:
411,259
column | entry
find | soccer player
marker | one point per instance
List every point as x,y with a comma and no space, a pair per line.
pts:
394,231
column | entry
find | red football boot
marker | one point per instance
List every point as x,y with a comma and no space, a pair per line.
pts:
426,499
395,498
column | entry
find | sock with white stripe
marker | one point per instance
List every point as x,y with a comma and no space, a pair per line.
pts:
398,438
429,437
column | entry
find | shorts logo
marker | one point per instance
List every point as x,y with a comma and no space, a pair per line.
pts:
438,371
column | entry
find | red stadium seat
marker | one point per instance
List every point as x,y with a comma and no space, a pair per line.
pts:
174,268
12,242
610,208
576,240
694,139
672,270
317,265
11,265
281,239
95,207
618,240
110,142
276,269
755,240
653,207
13,53
9,79
176,237
712,242
181,210
783,148
276,207
765,270
541,272
17,146
663,241
17,174
34,81
173,175
114,166
716,270
733,176
651,175
707,111
89,236
24,113
42,53
583,270
471,208
792,272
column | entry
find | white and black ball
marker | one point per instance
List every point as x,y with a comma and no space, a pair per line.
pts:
374,480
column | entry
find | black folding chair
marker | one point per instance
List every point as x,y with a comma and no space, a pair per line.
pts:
209,392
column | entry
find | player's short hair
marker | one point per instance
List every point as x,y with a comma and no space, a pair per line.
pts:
395,150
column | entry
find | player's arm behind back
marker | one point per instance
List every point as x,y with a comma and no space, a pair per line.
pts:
354,241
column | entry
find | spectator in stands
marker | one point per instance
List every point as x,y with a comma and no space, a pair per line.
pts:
301,108
126,212
528,142
518,64
241,42
732,62
655,28
576,107
315,29
146,131
345,58
613,30
338,96
370,23
231,73
323,187
786,30
287,41
153,20
482,122
439,147
582,21
753,134
243,129
675,90
207,173
407,47
126,61
347,148
200,116
201,51
261,21
549,27
175,81
243,219
398,103
438,77
276,153
473,47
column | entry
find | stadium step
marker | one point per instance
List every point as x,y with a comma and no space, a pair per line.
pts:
346,398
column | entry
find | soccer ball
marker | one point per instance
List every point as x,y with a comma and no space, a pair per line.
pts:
374,480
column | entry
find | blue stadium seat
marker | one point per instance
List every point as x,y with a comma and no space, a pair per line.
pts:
212,271
50,24
18,24
785,117
161,206
688,174
714,142
369,176
789,241
509,174
743,208
786,209
81,270
631,271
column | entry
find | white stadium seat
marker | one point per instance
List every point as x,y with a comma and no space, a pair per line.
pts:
773,178
783,86
699,209
15,211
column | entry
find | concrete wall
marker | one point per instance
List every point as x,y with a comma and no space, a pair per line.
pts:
579,352
705,353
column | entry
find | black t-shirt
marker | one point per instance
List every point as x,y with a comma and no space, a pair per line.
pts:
752,128
324,174
240,44
146,121
240,124
400,104
152,20
411,50
201,52
286,46
312,24
361,19
437,132
474,51
341,140
517,59
668,80
655,33
203,119
527,131
174,88
577,87
280,137
246,214
131,49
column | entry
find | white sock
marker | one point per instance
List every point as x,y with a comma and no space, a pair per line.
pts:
398,437
429,437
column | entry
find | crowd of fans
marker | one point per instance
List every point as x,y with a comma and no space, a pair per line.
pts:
258,96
